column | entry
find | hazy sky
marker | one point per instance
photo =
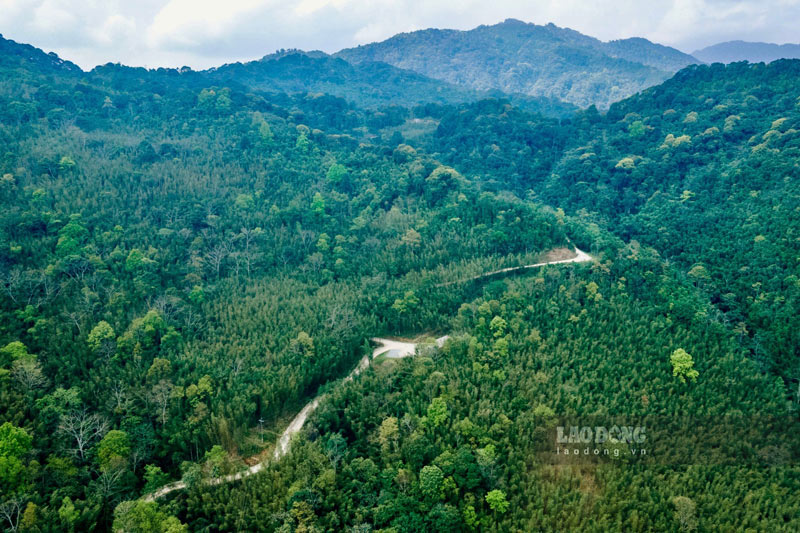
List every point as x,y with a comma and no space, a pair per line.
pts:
203,33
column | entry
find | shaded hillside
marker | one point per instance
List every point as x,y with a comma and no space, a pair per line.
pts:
732,51
639,50
516,57
367,84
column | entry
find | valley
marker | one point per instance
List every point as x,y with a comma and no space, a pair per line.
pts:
387,348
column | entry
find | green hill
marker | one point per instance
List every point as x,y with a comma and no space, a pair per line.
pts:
702,168
368,85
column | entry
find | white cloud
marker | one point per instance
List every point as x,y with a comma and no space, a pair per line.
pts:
53,16
114,29
204,33
188,23
308,7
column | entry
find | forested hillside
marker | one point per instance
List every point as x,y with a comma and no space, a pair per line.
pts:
457,439
181,265
372,85
188,257
703,168
517,57
369,84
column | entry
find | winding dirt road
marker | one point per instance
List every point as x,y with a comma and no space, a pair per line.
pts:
580,257
391,349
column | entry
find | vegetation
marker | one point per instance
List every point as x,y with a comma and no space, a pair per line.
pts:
161,296
703,169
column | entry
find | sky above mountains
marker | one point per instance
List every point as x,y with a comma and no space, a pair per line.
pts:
205,33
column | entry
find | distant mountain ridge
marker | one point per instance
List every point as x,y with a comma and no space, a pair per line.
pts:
368,83
640,50
754,52
518,57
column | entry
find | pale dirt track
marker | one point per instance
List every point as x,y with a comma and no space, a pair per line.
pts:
580,257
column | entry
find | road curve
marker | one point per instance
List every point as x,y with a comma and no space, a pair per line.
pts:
580,257
392,348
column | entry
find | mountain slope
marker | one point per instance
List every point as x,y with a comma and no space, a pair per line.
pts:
687,195
703,168
639,50
182,263
732,51
185,261
366,84
516,57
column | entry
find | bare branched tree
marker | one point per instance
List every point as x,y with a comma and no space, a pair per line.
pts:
192,320
10,510
238,262
108,482
75,318
78,269
83,428
236,366
11,280
161,394
168,306
248,255
217,255
119,395
340,320
50,288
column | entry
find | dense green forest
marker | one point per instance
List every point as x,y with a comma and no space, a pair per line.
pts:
188,257
704,169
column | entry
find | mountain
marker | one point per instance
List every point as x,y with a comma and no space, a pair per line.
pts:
686,194
732,51
639,50
367,83
223,253
516,57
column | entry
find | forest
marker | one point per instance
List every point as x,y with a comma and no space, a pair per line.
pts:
187,258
